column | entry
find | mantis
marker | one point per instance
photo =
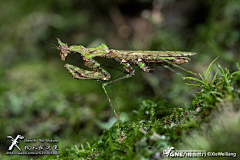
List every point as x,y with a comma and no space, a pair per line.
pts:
146,60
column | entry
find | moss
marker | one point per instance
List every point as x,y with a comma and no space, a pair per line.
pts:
157,127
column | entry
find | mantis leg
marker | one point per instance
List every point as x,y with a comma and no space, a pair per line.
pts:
96,66
98,73
130,73
144,67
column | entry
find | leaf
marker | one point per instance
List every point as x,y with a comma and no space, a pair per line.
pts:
237,72
202,76
214,78
209,70
190,84
238,66
223,73
194,79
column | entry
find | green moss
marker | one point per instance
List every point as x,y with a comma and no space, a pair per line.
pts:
157,126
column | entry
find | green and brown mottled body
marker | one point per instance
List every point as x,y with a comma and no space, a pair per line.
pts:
146,60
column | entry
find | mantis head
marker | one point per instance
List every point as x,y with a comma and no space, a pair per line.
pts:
64,50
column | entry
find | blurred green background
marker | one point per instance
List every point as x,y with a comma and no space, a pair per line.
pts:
39,99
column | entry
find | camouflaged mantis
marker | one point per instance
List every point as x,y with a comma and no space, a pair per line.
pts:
146,60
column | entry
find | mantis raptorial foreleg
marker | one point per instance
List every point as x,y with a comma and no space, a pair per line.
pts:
98,72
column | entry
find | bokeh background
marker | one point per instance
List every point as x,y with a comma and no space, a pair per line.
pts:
39,99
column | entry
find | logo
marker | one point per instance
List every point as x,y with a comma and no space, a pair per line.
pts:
15,142
167,151
39,147
172,153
